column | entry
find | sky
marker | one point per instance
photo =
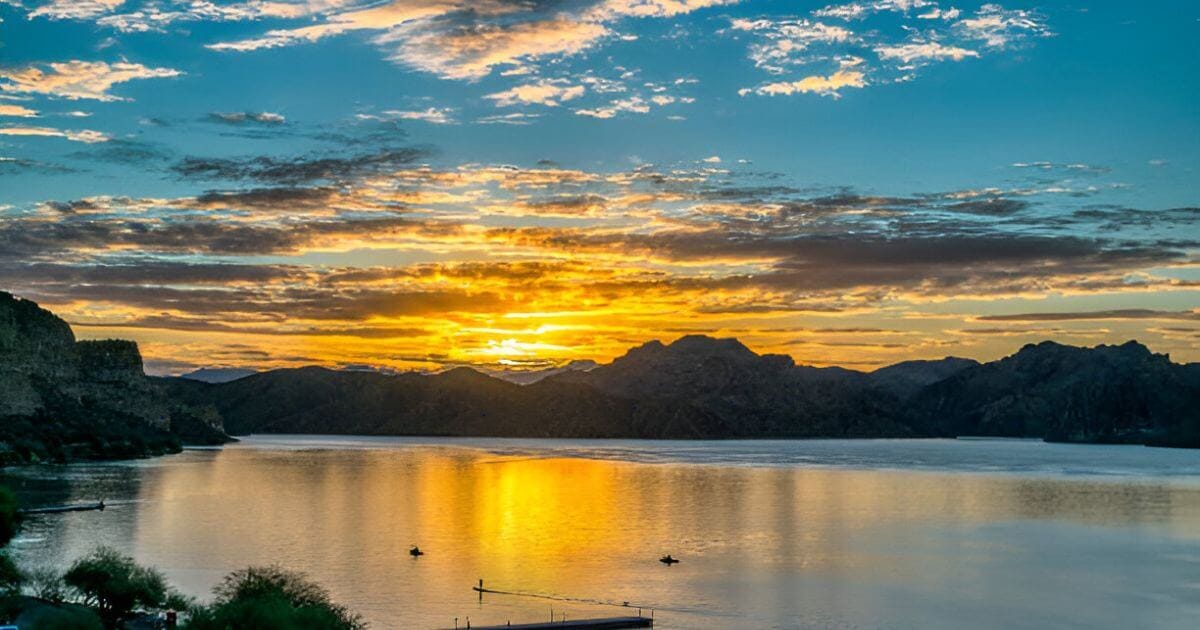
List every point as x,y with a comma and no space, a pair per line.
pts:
420,184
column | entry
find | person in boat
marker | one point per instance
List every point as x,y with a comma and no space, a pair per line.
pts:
415,551
667,559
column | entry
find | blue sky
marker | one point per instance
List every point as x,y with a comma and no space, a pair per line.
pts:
652,119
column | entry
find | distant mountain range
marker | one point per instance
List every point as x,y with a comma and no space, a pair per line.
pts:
61,399
701,387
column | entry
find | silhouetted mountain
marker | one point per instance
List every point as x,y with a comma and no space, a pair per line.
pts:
734,392
218,374
63,399
905,379
60,398
528,377
1104,394
700,387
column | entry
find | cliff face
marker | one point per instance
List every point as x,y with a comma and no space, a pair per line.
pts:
1119,393
62,399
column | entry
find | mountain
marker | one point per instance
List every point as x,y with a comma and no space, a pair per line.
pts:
701,387
218,374
730,391
905,379
1122,393
459,402
63,399
528,377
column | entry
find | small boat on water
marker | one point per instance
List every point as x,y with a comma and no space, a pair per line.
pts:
416,552
668,560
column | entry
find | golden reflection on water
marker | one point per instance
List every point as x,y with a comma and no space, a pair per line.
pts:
767,547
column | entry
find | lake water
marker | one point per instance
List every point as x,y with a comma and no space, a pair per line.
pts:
771,534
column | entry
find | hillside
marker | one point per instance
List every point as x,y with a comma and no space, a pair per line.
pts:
62,399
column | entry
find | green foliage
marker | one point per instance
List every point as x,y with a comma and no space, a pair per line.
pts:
115,585
10,576
9,518
272,598
46,583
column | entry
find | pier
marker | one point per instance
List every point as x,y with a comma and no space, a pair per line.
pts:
602,623
607,623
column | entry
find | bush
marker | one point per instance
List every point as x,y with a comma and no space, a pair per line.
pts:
46,583
114,585
272,598
9,517
10,576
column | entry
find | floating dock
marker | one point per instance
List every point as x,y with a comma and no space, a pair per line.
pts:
606,623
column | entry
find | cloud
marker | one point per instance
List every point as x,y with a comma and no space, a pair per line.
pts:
825,86
75,9
77,79
473,51
17,111
999,27
469,40
382,17
545,92
298,169
153,17
75,135
435,115
926,51
512,118
901,43
1134,313
242,118
633,104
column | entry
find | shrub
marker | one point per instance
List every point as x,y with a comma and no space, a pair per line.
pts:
115,585
10,576
9,517
46,583
272,598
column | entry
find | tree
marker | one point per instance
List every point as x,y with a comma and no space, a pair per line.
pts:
10,576
9,516
272,598
115,585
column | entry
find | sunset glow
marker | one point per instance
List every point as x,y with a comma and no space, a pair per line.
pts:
416,185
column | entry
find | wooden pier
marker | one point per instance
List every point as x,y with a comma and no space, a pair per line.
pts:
606,623
603,623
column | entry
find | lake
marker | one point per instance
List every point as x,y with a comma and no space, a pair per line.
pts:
771,534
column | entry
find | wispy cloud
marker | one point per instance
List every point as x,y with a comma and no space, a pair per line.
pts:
77,79
81,135
547,92
914,35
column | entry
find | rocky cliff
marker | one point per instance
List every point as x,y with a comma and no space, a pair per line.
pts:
63,399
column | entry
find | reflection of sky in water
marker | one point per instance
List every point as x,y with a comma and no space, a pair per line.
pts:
774,534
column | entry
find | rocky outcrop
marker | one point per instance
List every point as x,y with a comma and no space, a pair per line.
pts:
1122,393
63,399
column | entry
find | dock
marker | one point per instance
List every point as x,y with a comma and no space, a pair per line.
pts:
606,623
603,623
58,509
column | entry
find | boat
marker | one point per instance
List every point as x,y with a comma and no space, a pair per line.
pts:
668,560
415,551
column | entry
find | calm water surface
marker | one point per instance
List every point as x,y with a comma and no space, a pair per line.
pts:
772,534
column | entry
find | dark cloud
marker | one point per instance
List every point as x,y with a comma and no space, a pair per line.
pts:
1133,313
298,170
125,152
32,238
246,118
